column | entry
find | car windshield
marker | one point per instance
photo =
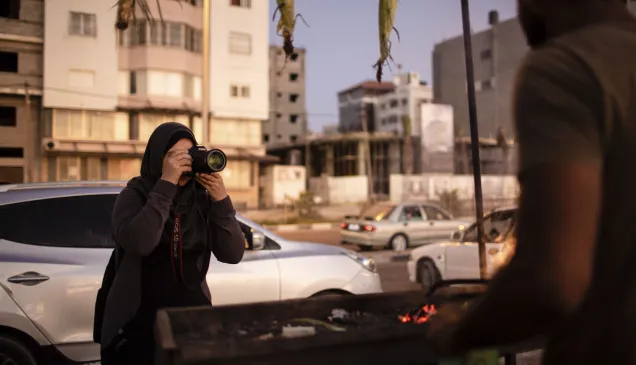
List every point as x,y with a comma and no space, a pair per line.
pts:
497,227
378,212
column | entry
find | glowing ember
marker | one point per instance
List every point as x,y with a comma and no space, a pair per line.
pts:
420,315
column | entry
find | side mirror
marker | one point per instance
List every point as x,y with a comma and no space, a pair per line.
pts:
457,236
258,241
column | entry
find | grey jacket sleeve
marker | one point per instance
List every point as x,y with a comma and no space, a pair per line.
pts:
228,241
137,226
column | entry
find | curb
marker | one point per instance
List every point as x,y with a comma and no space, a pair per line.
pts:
300,227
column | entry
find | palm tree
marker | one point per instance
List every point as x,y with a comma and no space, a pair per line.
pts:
408,145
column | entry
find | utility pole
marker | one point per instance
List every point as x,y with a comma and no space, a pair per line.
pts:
27,151
367,154
205,82
307,160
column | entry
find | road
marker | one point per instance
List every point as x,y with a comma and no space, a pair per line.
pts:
393,274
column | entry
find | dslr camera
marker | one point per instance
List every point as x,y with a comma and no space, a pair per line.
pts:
207,161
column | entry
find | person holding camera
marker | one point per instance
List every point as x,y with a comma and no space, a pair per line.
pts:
167,222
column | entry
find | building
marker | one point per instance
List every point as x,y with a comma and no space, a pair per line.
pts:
405,100
356,105
21,39
106,91
497,53
287,120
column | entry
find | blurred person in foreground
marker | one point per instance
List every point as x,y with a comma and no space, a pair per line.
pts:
167,224
573,277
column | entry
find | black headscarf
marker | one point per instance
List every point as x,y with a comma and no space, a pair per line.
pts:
187,202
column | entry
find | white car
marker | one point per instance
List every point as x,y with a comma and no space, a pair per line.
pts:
459,257
55,242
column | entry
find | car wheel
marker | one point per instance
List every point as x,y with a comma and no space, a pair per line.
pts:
427,275
12,352
399,243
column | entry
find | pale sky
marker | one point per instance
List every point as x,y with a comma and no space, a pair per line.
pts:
342,42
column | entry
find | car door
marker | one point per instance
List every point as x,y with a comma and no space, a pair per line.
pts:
462,260
440,223
255,279
414,224
53,253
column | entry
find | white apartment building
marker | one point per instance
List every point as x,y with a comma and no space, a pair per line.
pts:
106,91
406,98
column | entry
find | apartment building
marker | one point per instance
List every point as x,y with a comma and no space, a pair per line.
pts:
106,91
287,97
21,39
358,102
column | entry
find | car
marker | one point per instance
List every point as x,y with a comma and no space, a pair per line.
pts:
55,242
458,258
398,226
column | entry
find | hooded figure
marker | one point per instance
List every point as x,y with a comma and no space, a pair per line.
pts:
167,232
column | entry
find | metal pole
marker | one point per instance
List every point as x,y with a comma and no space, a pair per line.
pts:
474,137
205,82
367,155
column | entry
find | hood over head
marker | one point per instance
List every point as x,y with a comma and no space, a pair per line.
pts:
160,141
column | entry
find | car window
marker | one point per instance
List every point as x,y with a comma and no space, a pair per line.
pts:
270,244
435,214
73,221
411,213
378,212
497,227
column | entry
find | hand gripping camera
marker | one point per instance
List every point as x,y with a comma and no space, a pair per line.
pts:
207,161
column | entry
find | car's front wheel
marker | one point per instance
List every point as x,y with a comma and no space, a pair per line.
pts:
427,274
13,352
399,243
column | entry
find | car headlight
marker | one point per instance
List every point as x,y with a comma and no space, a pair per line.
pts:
367,263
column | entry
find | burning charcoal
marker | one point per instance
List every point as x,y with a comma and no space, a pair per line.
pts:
419,315
292,332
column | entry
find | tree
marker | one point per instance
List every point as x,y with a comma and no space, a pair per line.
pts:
408,145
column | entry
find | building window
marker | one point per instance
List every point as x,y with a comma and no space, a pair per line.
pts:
241,3
293,118
8,61
237,174
293,97
158,33
245,91
234,91
393,103
8,116
293,76
196,3
90,125
487,84
133,83
83,24
280,95
175,31
193,40
279,115
486,54
405,101
293,138
265,138
294,57
11,152
10,9
240,43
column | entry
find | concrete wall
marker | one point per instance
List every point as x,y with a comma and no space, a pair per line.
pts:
339,190
280,185
431,186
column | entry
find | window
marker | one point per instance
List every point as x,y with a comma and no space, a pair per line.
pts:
280,95
8,116
486,54
240,43
293,118
165,83
241,3
293,57
245,91
8,62
497,227
193,41
393,103
411,213
234,91
293,97
11,152
279,115
158,33
293,138
10,9
405,101
237,174
83,24
133,83
265,138
434,214
76,221
487,84
175,31
293,76
90,125
378,212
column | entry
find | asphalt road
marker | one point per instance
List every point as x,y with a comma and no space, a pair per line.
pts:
393,274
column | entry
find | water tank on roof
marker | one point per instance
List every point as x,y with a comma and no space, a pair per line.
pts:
493,17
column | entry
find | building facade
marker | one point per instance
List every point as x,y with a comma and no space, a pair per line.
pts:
21,39
287,120
357,105
106,91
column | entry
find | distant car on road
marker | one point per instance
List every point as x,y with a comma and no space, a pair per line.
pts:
459,257
55,242
398,226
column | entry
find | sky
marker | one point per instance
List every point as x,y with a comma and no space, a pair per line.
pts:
342,42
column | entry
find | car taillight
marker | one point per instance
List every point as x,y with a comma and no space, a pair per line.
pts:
368,228
343,225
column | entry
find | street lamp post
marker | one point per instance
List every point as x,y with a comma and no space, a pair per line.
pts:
205,81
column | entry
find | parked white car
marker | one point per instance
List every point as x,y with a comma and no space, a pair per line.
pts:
459,257
55,242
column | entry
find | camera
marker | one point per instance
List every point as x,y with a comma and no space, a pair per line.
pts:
207,161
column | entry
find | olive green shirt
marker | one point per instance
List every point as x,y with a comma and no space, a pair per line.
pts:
576,102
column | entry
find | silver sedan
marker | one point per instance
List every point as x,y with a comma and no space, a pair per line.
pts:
398,226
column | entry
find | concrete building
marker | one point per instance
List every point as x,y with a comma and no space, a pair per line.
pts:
358,102
21,39
106,91
497,53
287,120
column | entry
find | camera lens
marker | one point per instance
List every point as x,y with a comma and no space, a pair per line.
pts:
216,160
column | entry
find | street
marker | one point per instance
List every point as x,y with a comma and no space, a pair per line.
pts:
392,274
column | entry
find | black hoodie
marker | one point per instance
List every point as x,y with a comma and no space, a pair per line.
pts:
141,214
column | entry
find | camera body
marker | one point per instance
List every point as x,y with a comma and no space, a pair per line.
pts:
207,161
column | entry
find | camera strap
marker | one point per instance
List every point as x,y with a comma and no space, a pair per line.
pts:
176,251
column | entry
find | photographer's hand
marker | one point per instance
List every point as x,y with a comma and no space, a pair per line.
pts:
213,183
175,163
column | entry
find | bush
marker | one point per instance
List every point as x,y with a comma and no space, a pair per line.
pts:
449,200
